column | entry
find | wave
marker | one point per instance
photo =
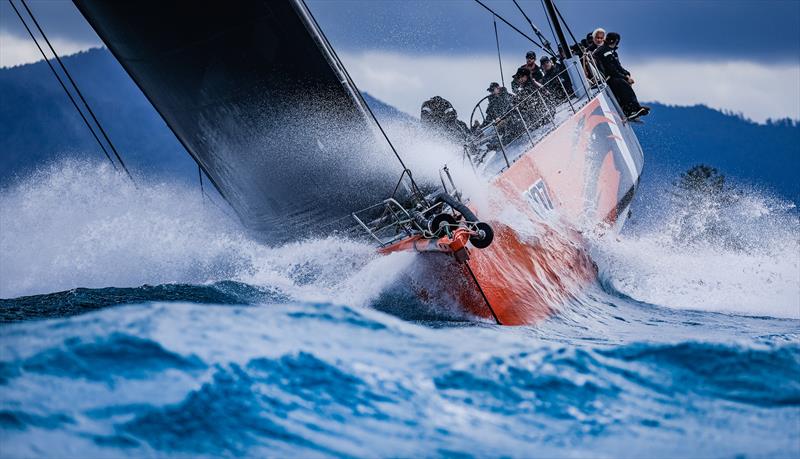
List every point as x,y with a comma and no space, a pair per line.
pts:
326,380
80,224
742,257
83,300
77,224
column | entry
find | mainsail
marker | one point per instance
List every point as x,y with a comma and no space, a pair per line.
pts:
260,101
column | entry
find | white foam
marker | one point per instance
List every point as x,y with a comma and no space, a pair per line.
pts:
751,268
426,153
79,224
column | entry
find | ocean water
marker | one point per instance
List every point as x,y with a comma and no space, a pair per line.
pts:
143,322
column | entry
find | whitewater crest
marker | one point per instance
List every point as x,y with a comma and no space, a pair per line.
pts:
81,224
739,256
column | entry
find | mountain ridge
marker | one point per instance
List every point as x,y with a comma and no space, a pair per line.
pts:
38,124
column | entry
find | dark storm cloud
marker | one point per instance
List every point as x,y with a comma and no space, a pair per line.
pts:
730,29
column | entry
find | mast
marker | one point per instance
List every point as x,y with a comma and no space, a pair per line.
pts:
562,40
536,30
573,62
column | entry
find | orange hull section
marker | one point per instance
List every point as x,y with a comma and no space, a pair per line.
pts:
525,281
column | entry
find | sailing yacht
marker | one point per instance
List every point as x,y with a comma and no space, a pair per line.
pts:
261,101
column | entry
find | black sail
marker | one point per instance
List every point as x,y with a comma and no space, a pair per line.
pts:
259,100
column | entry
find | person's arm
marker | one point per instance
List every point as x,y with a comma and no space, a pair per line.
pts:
611,65
622,70
490,113
626,74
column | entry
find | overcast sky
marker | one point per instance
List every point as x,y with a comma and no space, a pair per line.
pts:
733,54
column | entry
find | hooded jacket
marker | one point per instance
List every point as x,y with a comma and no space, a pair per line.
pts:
608,62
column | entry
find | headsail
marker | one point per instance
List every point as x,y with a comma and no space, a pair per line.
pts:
258,98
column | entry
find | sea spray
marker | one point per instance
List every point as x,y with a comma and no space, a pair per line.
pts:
265,351
81,224
737,253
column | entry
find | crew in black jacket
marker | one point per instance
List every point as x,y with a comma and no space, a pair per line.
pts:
617,77
500,102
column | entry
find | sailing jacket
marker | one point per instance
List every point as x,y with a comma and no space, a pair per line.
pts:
499,104
528,86
608,62
551,79
534,72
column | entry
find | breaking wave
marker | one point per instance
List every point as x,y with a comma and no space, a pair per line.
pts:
219,345
78,224
741,256
73,227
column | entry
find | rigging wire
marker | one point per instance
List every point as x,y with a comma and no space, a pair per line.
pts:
574,40
77,89
535,29
63,86
539,45
549,22
414,188
499,60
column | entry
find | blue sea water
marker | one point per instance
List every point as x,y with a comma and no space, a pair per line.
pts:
137,322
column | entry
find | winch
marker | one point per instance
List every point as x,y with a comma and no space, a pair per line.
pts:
434,223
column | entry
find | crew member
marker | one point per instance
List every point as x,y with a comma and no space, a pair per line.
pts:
522,83
561,67
535,74
597,39
500,102
617,77
586,42
439,114
552,79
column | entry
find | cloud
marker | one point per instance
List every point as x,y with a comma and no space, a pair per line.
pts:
756,90
16,50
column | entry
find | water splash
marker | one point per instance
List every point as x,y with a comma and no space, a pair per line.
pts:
741,256
80,224
290,374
